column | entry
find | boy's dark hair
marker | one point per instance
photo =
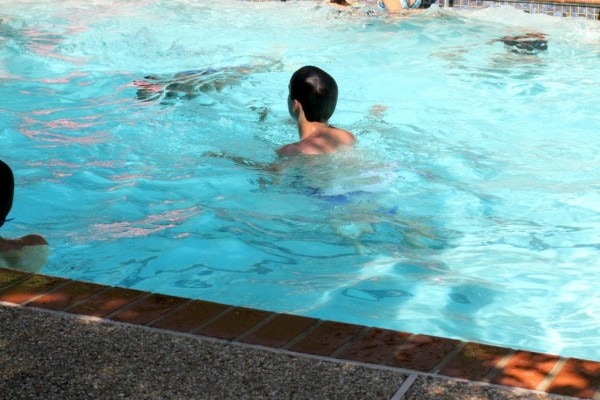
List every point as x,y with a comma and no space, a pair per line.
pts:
316,91
7,189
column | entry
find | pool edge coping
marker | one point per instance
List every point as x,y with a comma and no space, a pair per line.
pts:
414,354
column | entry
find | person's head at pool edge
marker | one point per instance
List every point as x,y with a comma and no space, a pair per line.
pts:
28,253
7,189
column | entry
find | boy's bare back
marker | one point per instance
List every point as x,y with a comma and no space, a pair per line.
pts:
325,141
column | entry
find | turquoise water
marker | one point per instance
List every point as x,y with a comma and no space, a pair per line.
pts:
470,208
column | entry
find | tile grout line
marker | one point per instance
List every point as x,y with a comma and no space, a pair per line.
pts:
83,300
45,292
404,387
397,350
211,320
496,369
349,342
551,375
169,311
303,334
439,366
24,277
128,305
255,327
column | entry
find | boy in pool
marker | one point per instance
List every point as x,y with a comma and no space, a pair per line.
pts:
28,253
311,102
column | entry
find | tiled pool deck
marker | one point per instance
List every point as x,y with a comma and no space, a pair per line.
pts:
415,364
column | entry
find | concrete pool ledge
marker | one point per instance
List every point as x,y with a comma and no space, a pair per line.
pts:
387,364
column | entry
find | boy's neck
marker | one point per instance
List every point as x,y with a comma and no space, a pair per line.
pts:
307,129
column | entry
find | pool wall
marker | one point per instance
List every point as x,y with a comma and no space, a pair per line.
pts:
559,8
585,8
589,9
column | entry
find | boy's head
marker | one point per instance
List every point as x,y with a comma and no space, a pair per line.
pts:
7,189
316,91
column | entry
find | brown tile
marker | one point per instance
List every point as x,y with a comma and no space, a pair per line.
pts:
578,378
474,361
327,338
525,370
375,346
105,302
234,323
279,331
190,316
9,276
66,295
30,287
422,352
147,309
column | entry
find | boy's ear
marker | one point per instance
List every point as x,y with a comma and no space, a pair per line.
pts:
296,106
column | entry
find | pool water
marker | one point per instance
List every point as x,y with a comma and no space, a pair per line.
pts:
469,209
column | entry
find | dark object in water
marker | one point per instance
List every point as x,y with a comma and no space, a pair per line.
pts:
528,43
187,84
193,83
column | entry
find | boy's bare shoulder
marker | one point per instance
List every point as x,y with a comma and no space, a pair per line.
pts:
324,142
18,244
291,149
343,136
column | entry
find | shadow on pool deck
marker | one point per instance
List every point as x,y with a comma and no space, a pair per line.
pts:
64,339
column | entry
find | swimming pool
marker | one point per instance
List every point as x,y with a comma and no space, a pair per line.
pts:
469,209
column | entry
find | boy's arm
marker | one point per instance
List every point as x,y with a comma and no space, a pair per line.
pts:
244,162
